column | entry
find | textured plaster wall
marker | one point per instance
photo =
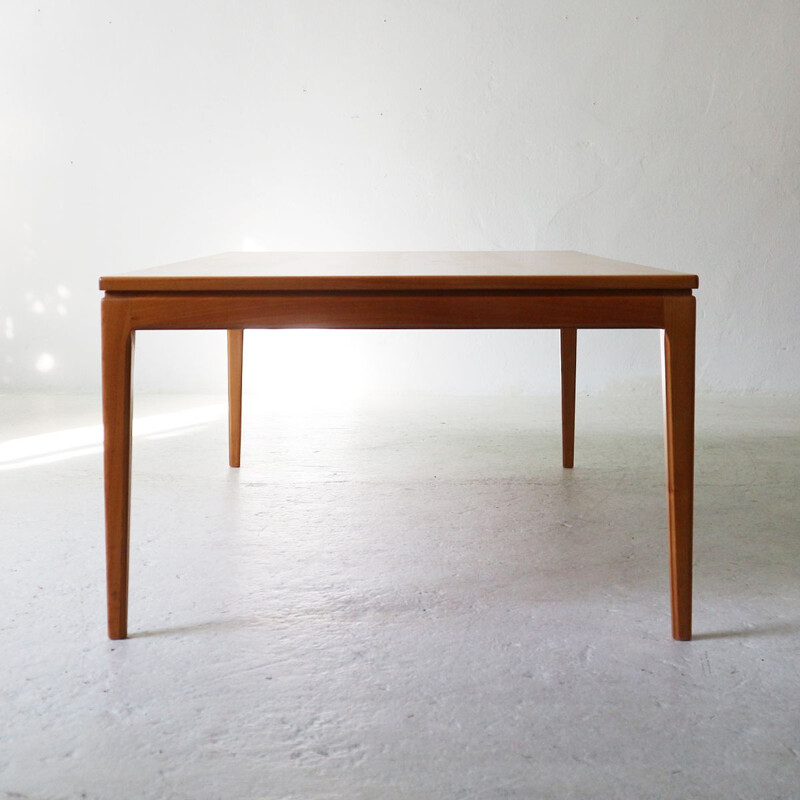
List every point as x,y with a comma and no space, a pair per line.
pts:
666,133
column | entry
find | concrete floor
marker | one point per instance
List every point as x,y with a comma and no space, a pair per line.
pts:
406,600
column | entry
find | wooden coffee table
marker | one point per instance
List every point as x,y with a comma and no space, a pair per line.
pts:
564,290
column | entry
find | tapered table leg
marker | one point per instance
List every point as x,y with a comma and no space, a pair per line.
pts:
118,341
679,365
569,342
235,352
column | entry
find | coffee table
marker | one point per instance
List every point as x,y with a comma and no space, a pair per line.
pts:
563,290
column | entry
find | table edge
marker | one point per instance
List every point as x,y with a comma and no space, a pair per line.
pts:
345,283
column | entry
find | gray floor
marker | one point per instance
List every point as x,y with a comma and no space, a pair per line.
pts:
406,600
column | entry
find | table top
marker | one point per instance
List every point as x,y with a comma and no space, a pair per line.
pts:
397,271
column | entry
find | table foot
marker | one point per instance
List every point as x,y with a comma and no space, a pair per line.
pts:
118,343
235,353
679,365
569,343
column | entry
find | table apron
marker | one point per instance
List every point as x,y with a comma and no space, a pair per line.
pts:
405,310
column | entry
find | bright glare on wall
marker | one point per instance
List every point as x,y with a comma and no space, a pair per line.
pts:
45,362
305,367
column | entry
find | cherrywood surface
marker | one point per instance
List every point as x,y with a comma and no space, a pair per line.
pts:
389,309
403,290
562,270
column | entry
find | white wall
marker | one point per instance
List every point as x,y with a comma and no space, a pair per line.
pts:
136,133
